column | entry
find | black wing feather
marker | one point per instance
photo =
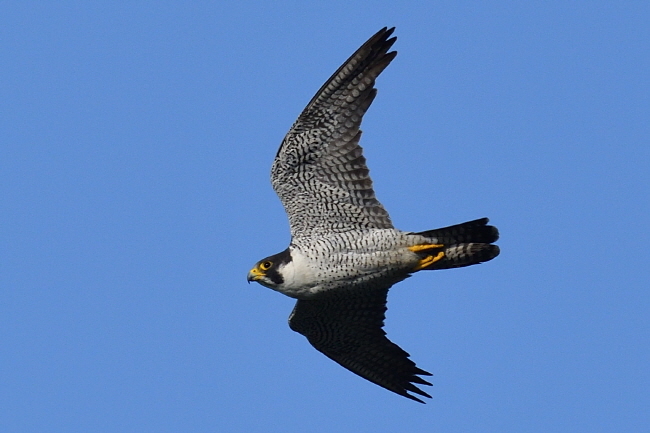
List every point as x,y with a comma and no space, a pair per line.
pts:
348,329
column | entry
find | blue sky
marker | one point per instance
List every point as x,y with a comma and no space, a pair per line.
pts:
136,140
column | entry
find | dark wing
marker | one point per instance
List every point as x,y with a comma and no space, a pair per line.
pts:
348,329
319,172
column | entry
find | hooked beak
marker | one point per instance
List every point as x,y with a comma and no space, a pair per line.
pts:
254,275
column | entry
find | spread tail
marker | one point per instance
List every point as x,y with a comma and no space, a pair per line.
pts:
463,244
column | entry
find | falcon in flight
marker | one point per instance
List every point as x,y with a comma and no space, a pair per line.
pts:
345,253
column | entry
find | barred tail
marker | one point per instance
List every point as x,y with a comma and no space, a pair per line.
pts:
464,244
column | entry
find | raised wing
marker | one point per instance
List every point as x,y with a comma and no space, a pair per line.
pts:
348,329
319,172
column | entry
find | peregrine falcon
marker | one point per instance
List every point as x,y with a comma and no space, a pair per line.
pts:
344,252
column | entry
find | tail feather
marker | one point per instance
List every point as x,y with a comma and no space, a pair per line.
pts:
472,231
457,256
465,244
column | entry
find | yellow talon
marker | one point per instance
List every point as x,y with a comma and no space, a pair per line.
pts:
424,247
428,261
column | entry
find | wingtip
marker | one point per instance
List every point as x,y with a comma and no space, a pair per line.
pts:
384,39
414,389
384,32
409,396
414,398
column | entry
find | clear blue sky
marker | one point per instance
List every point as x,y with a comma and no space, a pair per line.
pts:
136,140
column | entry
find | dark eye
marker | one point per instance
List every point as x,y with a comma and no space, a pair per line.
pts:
265,265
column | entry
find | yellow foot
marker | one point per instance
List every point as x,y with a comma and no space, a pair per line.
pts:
428,260
424,247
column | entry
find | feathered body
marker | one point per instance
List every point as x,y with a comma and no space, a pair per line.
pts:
345,253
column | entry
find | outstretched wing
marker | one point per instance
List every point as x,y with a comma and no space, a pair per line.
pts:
348,329
319,172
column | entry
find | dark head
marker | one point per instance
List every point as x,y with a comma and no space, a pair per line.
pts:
268,271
